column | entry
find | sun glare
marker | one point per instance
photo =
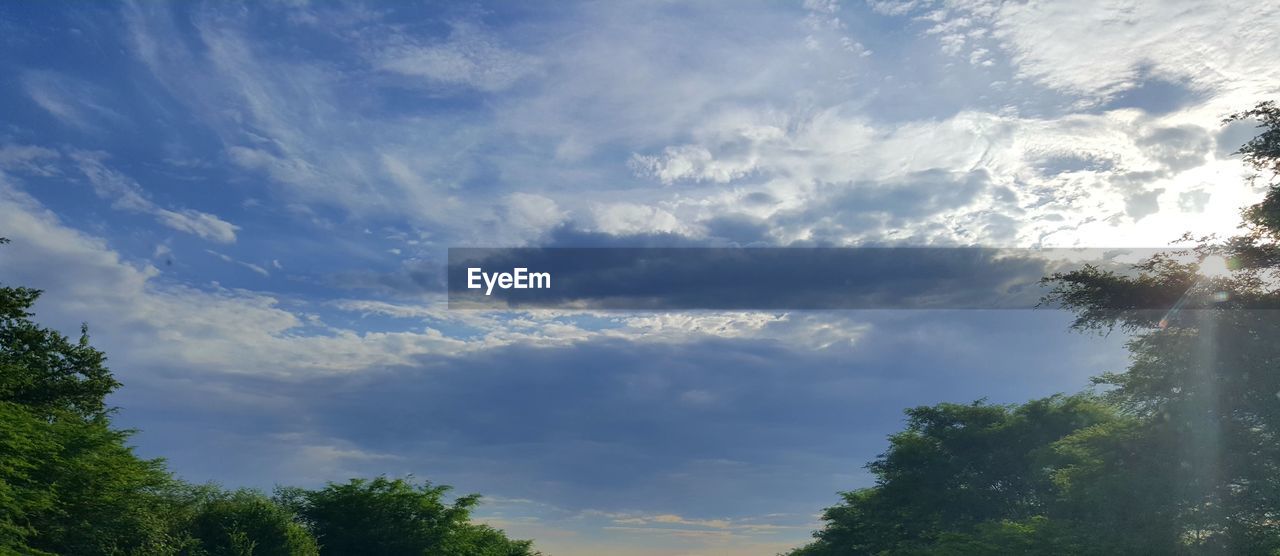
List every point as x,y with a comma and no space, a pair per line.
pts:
1214,266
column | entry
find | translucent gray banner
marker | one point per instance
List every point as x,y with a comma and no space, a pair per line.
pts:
770,278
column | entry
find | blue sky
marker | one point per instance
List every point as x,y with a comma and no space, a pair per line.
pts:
251,205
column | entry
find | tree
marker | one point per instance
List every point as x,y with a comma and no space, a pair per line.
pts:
24,442
959,474
246,523
104,499
394,517
68,482
43,370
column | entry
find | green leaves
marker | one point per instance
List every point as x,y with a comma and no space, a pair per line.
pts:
75,488
68,482
244,523
961,477
393,517
42,369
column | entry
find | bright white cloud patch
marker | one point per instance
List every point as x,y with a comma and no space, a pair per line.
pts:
1218,47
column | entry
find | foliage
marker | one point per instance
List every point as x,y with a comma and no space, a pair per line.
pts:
245,522
43,370
962,476
68,482
395,516
24,440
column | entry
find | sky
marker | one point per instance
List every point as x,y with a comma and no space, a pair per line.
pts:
250,205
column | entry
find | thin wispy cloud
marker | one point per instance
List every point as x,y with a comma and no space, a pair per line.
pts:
468,57
250,266
128,195
71,101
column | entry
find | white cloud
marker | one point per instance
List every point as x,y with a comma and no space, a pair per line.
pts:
72,101
287,170
147,321
667,522
226,258
126,194
307,459
1222,47
632,218
198,223
29,159
692,162
374,307
526,216
1072,180
323,152
155,324
781,120
469,57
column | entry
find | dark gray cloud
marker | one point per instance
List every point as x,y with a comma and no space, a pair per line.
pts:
918,195
413,278
739,229
877,210
1077,162
1194,200
618,424
1155,96
1142,204
1177,148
